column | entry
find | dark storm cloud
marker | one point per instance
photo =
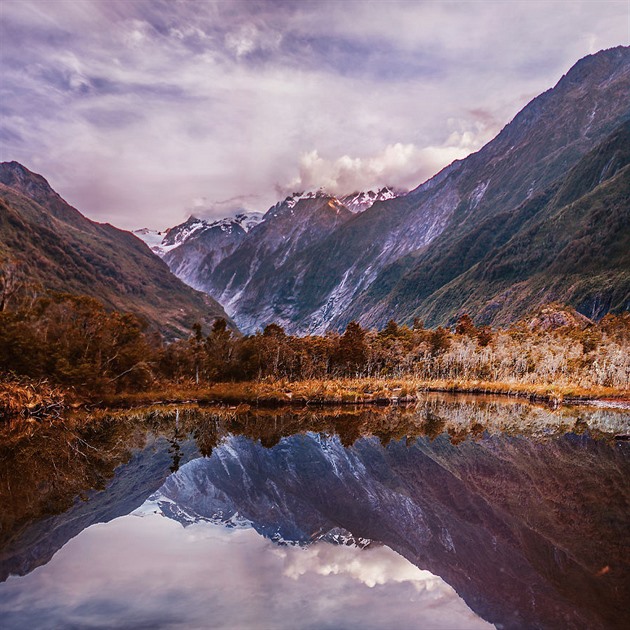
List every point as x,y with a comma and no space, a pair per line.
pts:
134,109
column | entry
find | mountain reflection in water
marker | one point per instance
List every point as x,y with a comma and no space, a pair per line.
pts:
530,527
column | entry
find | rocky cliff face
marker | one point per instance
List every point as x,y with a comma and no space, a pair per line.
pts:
194,249
251,281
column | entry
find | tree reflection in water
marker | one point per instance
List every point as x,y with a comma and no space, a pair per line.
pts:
516,506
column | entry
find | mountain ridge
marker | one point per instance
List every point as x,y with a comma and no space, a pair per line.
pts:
477,237
58,249
347,272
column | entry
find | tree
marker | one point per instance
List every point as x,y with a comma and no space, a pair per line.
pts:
352,352
219,350
484,336
196,346
465,326
439,340
12,281
391,330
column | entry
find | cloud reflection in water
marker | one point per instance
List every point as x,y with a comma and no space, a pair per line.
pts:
144,570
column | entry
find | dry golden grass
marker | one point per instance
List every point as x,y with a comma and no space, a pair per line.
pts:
23,398
352,391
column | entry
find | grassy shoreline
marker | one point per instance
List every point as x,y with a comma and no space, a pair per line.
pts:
39,400
357,392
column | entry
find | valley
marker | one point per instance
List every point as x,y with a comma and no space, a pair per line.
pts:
314,315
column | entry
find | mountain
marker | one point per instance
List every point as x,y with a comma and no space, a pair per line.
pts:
194,248
527,218
245,278
568,244
59,249
359,272
362,200
193,229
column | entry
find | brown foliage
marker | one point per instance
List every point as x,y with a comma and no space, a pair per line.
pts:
75,342
22,398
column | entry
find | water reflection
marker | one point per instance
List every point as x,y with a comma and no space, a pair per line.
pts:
522,529
150,572
515,506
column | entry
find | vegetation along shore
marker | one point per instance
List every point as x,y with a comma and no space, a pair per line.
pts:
61,351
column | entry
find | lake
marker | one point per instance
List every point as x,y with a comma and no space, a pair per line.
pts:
458,512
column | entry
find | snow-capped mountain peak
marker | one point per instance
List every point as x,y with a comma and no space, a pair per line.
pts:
163,242
359,201
180,233
247,220
356,202
152,238
292,199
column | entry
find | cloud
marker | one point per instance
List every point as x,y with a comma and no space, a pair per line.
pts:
202,207
247,39
399,165
132,109
396,165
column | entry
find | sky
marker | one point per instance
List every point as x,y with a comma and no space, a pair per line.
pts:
142,112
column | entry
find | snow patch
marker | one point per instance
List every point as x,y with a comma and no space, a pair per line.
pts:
361,201
163,242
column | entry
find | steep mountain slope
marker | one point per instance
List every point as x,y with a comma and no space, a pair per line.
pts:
244,279
570,243
541,144
59,249
194,248
349,271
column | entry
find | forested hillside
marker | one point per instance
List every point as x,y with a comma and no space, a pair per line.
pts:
47,245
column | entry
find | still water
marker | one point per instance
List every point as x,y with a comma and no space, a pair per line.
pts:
454,513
